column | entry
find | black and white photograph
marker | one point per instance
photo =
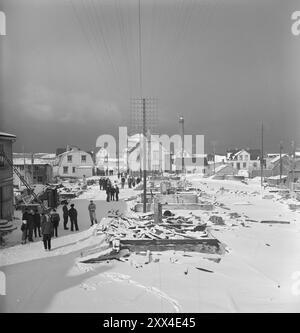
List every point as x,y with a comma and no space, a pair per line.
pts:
149,158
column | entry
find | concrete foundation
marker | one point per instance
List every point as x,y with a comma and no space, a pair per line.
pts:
175,206
191,245
178,198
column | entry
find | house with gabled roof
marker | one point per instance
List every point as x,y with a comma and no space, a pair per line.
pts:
73,163
244,160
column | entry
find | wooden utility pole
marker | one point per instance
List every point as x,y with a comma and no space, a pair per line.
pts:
127,157
118,157
214,152
144,157
32,167
293,162
181,123
24,163
262,155
141,159
280,159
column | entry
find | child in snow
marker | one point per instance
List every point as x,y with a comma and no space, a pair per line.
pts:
24,229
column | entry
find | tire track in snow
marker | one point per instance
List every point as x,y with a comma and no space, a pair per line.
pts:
117,277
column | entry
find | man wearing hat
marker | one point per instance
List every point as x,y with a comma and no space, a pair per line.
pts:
92,211
73,218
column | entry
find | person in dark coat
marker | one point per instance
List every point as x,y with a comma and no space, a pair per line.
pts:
112,193
123,181
37,224
55,218
25,215
105,183
30,224
117,191
129,180
108,194
65,215
100,183
47,231
133,182
73,217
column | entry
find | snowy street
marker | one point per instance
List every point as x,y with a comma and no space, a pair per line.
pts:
258,272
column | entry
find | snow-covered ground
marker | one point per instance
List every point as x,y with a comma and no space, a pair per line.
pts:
258,273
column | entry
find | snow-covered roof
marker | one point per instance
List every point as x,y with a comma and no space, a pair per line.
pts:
7,135
73,150
277,177
84,167
36,161
221,167
48,156
277,158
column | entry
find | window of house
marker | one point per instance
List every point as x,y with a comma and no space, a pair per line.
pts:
244,165
65,169
246,157
1,157
241,157
36,168
83,158
238,166
40,179
73,169
22,167
255,165
70,158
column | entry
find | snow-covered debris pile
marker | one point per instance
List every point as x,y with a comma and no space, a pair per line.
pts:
217,220
143,227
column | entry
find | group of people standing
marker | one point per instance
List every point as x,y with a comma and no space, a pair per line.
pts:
72,214
44,224
131,181
112,190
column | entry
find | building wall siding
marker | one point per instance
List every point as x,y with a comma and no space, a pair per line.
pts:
6,183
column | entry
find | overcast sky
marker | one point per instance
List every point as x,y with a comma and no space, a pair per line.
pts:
68,69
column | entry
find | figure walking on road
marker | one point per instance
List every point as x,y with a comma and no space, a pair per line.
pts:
30,224
65,215
73,217
117,191
55,218
123,181
108,194
37,224
47,231
92,212
112,193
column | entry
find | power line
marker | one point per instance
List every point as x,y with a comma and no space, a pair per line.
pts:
140,51
85,34
123,42
99,29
